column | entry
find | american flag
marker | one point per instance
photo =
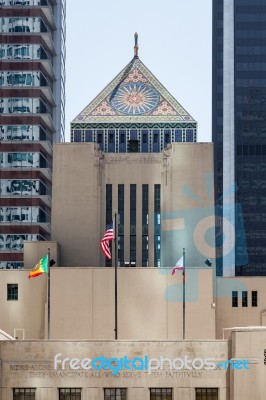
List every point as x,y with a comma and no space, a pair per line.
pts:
105,246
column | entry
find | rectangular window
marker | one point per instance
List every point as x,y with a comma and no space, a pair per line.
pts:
122,140
234,298
133,217
178,135
70,394
88,135
157,225
244,299
161,394
12,291
254,297
100,138
145,221
115,394
206,394
24,394
120,227
77,135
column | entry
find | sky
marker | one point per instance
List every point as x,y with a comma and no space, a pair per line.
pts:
175,39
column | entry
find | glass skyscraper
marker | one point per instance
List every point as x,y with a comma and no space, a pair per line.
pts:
32,103
239,134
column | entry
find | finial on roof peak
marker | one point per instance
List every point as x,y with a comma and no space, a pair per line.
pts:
136,47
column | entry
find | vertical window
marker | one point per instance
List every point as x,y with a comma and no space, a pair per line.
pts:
244,299
12,291
161,394
144,140
111,140
70,394
88,135
206,394
77,135
121,260
178,135
100,138
254,297
167,137
145,221
122,140
24,394
133,205
189,135
156,147
157,225
109,214
234,298
115,394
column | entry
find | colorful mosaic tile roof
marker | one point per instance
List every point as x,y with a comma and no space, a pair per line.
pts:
134,95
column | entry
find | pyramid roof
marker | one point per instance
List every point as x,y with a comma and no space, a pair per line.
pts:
134,96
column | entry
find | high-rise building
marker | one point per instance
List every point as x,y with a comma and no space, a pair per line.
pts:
138,118
239,134
32,92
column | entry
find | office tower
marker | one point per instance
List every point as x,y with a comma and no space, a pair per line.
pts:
239,134
133,115
133,151
32,56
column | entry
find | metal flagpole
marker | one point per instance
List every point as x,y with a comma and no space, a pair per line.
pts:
115,240
48,295
184,295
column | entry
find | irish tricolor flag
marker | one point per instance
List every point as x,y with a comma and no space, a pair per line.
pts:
41,268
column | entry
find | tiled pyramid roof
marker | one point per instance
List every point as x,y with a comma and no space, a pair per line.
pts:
134,95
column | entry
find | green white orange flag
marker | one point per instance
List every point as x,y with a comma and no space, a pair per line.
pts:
41,268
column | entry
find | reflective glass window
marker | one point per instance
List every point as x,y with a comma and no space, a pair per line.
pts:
23,132
22,24
15,242
22,52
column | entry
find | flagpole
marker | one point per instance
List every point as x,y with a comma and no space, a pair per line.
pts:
184,295
48,295
115,240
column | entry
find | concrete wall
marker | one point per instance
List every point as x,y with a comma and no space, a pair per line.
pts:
76,208
228,316
34,251
82,304
80,176
149,303
249,344
31,364
28,312
187,204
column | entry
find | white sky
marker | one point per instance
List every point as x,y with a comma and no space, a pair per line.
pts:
175,40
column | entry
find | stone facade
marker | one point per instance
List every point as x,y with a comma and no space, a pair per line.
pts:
31,364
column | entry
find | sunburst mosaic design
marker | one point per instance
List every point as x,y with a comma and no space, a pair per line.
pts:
134,99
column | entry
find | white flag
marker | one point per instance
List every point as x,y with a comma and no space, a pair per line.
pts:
179,266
